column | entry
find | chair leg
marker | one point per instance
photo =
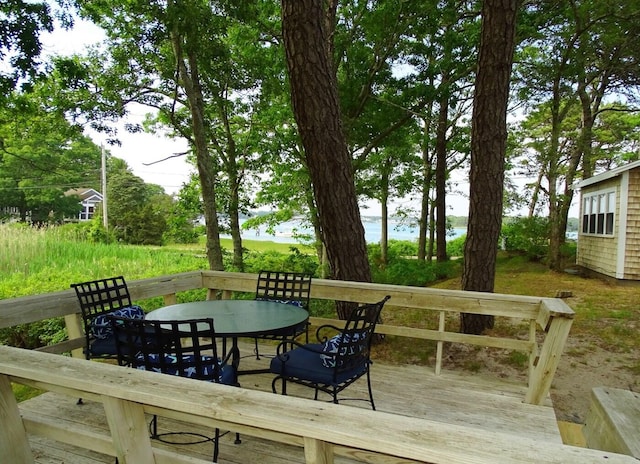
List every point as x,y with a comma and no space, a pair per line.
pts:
256,349
284,385
373,406
216,442
154,427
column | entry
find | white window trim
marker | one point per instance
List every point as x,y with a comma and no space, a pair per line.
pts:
587,198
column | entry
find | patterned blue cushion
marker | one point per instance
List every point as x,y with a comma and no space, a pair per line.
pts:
189,371
290,302
100,327
331,346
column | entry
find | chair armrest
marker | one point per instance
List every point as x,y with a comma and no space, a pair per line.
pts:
324,327
289,343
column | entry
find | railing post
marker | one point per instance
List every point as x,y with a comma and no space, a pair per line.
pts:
317,451
169,299
14,444
73,323
129,431
550,353
440,344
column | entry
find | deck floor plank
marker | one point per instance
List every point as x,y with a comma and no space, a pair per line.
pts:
452,397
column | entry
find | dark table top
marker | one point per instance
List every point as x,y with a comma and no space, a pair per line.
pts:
235,318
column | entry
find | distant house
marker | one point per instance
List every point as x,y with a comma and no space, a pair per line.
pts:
89,199
609,235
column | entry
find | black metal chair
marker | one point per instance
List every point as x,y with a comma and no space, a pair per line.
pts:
284,287
185,348
332,364
98,299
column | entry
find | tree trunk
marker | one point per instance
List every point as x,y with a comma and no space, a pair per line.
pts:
441,174
384,204
426,226
307,32
191,84
488,148
235,180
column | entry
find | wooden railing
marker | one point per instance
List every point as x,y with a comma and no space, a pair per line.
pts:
322,429
549,319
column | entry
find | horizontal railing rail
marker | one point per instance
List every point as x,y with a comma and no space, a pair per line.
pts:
549,319
322,429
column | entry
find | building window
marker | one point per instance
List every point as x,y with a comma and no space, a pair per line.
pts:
598,210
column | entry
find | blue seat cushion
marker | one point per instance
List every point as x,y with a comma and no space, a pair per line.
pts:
226,373
103,346
306,364
100,327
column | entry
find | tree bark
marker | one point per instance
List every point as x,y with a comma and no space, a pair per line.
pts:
190,80
441,173
488,148
308,37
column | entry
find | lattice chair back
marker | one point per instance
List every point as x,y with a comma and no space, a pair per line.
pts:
183,348
284,287
97,299
351,348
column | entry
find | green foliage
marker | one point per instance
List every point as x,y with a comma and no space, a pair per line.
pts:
34,335
21,23
455,247
137,211
402,248
42,156
184,213
528,235
403,269
294,261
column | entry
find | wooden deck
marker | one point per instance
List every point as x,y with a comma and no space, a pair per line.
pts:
452,398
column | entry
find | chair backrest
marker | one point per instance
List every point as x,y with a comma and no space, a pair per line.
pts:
102,296
286,287
184,348
353,345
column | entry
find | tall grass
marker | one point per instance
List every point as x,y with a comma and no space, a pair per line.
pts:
44,260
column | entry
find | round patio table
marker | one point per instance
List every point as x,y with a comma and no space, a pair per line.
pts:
237,318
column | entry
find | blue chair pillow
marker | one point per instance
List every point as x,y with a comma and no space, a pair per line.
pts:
290,302
100,327
332,345
208,365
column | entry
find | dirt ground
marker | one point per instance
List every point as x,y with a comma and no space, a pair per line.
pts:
581,370
602,349
583,366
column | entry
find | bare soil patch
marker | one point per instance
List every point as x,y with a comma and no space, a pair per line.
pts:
603,348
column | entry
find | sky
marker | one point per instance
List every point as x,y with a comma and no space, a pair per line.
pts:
138,150
141,150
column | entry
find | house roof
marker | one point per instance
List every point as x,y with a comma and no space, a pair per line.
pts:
85,193
608,174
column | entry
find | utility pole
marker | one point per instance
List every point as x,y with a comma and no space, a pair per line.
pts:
105,221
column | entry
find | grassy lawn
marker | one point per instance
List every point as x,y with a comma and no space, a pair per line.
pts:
607,313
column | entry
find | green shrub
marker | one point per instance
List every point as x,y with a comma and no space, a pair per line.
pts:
528,235
294,261
455,247
402,271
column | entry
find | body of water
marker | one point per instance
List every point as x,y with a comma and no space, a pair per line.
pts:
372,232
